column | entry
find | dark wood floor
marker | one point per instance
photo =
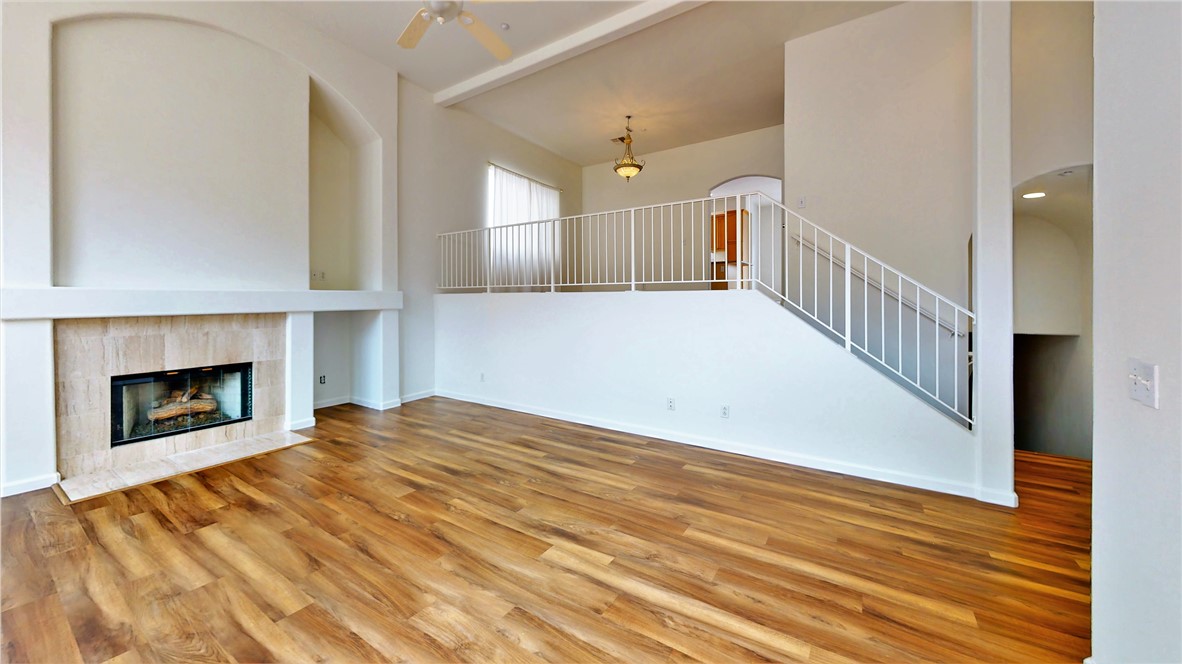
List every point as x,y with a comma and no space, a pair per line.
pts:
445,531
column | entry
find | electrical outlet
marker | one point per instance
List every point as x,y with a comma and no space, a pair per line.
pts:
725,412
670,404
322,380
1143,382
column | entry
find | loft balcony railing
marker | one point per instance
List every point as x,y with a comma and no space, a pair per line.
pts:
911,333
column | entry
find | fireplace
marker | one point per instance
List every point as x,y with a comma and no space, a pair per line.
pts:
166,403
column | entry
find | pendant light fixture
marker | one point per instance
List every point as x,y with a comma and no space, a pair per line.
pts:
628,167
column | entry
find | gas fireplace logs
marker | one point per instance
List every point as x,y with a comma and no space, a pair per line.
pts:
180,403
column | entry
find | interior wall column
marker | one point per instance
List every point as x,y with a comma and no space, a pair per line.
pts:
375,359
993,262
300,371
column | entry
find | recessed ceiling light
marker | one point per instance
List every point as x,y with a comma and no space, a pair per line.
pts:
504,26
1034,194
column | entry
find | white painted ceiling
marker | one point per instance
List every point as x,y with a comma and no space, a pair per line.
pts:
1068,200
447,54
710,72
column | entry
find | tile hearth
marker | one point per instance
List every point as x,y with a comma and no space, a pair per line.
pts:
81,487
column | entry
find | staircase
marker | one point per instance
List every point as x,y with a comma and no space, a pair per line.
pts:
911,334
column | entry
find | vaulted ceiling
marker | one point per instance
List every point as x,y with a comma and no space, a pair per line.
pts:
687,72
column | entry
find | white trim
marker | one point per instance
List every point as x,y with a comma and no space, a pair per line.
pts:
415,396
300,424
593,36
374,405
64,302
334,401
30,484
1003,498
807,461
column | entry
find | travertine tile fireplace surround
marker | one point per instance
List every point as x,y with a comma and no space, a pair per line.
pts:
88,352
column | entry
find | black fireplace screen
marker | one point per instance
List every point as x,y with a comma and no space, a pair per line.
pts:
166,403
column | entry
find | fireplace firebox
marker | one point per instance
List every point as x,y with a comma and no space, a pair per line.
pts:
167,403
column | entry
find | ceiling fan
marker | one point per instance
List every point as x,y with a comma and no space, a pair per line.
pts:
436,11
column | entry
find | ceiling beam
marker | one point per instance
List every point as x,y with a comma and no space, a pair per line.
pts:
609,29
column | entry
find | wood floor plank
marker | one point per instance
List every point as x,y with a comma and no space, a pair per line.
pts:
444,531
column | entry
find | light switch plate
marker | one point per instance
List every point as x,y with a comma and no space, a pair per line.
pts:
1142,380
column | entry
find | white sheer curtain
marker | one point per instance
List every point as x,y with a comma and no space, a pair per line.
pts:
520,255
514,198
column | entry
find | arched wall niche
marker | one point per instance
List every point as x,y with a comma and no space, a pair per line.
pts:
31,119
170,128
344,193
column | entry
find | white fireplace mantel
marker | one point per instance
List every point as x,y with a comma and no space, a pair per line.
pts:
68,302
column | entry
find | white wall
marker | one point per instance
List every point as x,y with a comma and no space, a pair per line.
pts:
443,157
1137,472
331,208
333,357
180,158
1052,86
684,173
1048,280
611,360
255,34
878,137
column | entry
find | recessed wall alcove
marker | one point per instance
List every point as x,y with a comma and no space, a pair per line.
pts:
344,194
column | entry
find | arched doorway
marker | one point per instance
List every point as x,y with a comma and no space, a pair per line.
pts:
745,184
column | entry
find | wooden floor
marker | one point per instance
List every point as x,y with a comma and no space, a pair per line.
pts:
445,531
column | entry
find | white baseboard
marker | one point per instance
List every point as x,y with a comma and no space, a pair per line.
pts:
30,484
366,403
332,401
808,461
300,424
1003,498
415,396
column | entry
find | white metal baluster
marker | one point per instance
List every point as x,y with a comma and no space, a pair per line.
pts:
899,298
865,304
849,333
937,339
882,311
739,253
830,263
816,304
553,251
800,262
632,242
681,239
918,345
661,210
599,249
956,360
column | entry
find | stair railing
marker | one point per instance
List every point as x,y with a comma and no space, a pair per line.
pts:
911,333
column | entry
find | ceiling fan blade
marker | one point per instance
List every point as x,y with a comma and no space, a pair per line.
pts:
484,34
415,29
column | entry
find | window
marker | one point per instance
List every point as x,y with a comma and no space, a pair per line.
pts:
514,198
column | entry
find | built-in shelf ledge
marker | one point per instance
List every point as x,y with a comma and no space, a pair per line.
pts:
83,487
68,302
